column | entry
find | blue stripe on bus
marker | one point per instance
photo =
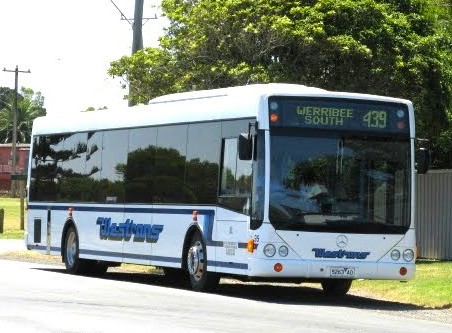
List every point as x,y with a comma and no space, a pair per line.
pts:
43,248
209,212
224,264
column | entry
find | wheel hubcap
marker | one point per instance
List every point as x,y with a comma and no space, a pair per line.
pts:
71,249
195,261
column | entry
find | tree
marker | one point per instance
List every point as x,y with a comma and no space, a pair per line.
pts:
391,47
442,146
30,105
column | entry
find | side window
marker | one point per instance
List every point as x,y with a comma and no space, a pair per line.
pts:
93,166
203,154
229,167
35,163
169,186
140,170
235,180
114,157
46,174
74,184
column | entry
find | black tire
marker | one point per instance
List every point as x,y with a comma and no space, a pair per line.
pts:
200,278
73,263
176,276
336,288
95,267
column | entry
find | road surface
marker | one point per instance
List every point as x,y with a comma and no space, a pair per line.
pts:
43,298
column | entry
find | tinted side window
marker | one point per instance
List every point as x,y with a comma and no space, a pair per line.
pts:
74,184
203,154
170,165
48,153
36,148
140,170
235,175
114,157
93,166
229,166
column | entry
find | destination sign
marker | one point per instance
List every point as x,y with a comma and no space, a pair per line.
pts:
326,113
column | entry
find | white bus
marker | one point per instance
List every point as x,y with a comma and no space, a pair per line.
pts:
273,182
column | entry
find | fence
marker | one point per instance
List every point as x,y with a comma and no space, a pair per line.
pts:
434,215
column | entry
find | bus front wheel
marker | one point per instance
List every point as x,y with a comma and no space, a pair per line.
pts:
200,278
336,287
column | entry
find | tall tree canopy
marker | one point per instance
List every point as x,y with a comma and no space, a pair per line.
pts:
398,48
29,106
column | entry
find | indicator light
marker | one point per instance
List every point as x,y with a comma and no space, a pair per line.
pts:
278,267
401,125
250,246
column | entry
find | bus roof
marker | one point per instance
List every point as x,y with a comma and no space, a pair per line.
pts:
196,106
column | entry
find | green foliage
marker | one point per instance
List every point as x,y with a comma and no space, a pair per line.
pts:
30,105
400,48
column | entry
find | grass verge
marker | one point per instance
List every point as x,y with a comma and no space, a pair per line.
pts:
432,286
11,223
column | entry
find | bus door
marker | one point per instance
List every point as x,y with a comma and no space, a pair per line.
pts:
233,216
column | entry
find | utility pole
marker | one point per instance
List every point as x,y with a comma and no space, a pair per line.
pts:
16,72
137,25
137,42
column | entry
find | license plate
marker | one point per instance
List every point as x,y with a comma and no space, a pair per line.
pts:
342,272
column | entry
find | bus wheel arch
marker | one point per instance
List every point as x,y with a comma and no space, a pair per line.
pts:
71,250
188,235
69,223
195,263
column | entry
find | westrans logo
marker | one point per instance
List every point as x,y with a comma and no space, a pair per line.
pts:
120,231
340,254
341,241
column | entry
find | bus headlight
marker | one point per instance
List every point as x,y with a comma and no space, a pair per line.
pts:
283,251
269,250
408,255
395,255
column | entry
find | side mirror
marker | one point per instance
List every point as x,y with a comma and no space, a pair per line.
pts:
422,160
245,147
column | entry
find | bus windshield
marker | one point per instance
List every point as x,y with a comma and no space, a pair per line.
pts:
334,182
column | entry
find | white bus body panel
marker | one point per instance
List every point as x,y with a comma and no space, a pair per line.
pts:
224,232
302,261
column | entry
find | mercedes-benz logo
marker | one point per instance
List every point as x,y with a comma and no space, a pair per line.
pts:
341,241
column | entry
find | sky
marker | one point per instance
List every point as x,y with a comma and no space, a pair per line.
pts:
68,46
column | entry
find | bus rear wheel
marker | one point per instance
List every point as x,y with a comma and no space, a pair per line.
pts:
73,263
336,288
200,278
